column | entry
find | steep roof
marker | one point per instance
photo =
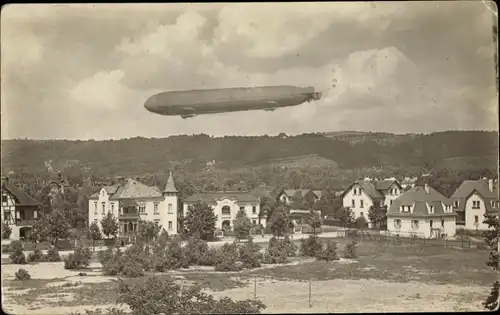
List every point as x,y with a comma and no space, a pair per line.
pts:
212,197
135,189
170,186
110,190
386,184
318,193
418,198
481,186
21,198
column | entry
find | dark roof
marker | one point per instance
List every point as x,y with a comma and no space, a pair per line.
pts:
21,198
212,197
418,198
386,184
374,189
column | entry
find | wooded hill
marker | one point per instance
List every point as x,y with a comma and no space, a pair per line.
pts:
455,149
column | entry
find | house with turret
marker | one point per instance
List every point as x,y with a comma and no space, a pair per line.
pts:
131,201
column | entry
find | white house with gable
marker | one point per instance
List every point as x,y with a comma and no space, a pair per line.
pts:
131,201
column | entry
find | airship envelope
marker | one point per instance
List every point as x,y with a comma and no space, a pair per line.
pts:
198,102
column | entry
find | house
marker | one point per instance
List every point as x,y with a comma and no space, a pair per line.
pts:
288,196
19,210
131,201
422,212
226,205
474,198
361,195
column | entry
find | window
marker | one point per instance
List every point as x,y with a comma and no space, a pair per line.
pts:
6,216
390,202
226,210
361,214
442,223
103,192
361,204
142,209
397,224
476,219
476,204
456,203
155,205
254,222
4,198
430,223
95,207
431,209
242,208
170,225
254,209
35,214
353,203
112,207
493,204
414,224
103,207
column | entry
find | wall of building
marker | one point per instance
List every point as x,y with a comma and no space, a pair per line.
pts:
471,213
362,202
234,206
391,197
424,225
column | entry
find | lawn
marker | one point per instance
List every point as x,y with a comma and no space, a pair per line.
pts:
389,278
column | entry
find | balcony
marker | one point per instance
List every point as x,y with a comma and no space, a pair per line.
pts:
21,222
129,216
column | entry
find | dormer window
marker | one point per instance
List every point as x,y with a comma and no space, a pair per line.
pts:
493,204
405,209
456,203
431,209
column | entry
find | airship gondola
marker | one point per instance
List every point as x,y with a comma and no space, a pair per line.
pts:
199,102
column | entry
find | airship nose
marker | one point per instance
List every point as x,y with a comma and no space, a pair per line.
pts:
150,104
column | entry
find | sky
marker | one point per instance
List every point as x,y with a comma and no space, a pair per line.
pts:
84,71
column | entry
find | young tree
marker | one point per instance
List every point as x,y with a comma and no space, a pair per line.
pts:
94,233
377,215
314,220
491,238
55,225
279,221
200,219
6,231
110,225
346,216
37,232
361,222
242,225
148,230
267,206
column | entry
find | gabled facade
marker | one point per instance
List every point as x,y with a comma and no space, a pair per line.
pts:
19,211
132,201
226,205
473,199
361,195
422,212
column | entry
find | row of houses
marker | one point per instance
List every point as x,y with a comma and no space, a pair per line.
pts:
420,210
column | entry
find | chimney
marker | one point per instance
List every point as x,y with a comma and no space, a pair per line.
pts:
426,187
490,185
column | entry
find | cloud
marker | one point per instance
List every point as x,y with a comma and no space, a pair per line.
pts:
396,67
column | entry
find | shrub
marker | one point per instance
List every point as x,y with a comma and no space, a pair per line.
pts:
350,250
226,258
311,246
208,259
352,233
275,253
196,249
249,254
329,253
17,256
52,254
22,274
80,258
35,256
140,254
162,295
133,268
290,247
108,311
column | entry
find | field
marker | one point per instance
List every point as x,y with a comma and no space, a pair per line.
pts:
384,278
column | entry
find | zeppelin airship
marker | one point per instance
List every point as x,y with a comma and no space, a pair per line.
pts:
199,102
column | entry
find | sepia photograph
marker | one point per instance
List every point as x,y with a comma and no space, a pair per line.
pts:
250,158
